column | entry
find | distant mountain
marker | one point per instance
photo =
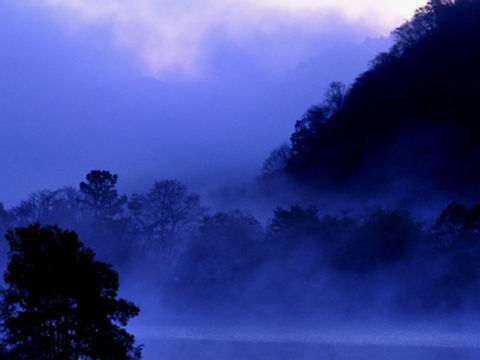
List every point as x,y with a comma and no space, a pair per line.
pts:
411,123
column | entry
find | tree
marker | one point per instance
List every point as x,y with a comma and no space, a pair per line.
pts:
426,20
38,207
100,194
277,160
385,238
307,134
400,122
46,206
60,303
164,212
335,97
226,249
291,224
458,225
449,265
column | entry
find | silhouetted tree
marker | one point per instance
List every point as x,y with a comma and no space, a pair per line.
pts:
458,225
384,239
277,160
447,269
167,210
300,229
103,216
60,303
100,195
408,119
335,97
222,255
291,224
59,206
38,207
307,134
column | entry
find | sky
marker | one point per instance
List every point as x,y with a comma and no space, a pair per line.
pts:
172,35
148,89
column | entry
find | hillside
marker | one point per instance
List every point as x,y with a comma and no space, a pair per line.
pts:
411,122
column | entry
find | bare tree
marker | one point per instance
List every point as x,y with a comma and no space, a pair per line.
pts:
48,206
165,212
277,160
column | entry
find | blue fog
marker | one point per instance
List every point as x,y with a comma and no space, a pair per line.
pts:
71,101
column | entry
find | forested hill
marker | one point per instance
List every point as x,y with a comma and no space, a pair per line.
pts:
411,120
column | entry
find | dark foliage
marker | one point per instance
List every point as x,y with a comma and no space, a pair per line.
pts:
447,264
60,303
221,257
384,239
410,119
302,259
100,195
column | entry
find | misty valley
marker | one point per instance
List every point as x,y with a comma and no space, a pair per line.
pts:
358,239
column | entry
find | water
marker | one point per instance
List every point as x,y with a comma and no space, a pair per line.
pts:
180,343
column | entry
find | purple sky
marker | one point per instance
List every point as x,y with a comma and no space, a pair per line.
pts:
200,91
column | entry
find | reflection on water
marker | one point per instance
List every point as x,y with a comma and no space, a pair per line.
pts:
221,350
171,343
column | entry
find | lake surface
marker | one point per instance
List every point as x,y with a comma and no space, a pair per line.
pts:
172,343
222,350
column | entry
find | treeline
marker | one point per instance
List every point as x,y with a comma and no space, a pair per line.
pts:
300,259
127,226
304,262
408,124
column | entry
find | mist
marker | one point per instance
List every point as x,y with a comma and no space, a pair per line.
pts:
94,101
269,181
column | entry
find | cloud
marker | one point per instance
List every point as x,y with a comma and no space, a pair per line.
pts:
69,103
169,35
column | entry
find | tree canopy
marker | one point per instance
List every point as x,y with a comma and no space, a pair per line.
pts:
411,118
100,195
60,303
